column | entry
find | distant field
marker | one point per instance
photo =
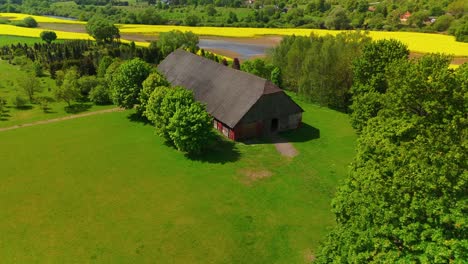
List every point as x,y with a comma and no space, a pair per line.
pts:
8,40
417,42
107,190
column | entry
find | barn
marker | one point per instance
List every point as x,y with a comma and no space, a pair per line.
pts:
242,105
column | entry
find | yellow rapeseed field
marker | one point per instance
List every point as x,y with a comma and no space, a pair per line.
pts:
417,42
35,32
39,19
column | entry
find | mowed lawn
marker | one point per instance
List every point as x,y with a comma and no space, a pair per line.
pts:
104,189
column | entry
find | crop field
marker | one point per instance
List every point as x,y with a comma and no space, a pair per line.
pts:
105,189
8,40
417,42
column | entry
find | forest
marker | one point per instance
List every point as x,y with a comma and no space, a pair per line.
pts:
421,16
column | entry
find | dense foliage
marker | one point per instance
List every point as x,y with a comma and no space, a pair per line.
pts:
405,199
102,30
319,68
369,79
179,119
127,82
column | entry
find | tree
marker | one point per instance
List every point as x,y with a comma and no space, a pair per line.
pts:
369,79
87,83
192,20
30,85
69,90
210,10
190,128
337,19
104,63
172,40
127,82
151,83
405,198
236,64
178,118
100,95
48,36
275,77
102,30
418,18
30,22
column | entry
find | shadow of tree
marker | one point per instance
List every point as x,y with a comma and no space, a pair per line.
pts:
78,108
219,150
135,117
4,115
24,107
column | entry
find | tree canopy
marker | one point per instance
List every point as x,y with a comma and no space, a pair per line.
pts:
127,82
405,199
102,30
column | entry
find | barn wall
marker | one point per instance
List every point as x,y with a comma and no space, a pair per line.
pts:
274,106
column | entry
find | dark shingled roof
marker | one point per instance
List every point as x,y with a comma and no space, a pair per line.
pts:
227,93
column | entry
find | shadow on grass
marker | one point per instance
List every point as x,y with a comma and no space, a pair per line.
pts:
24,107
135,117
77,108
303,134
219,150
4,115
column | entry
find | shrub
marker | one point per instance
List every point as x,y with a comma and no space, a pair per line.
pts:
100,95
30,22
19,101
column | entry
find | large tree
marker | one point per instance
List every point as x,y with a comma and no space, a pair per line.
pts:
102,30
153,81
48,36
369,79
190,128
30,84
69,90
405,200
127,82
172,40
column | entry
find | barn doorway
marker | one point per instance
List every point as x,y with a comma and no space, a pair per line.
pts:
274,124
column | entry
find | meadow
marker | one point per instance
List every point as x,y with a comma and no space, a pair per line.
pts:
417,42
9,77
105,189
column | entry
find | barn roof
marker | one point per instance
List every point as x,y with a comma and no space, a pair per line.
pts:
227,93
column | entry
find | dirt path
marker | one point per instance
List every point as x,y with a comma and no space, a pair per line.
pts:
48,121
284,147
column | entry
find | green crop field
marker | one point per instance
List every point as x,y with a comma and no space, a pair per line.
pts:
9,89
104,189
8,40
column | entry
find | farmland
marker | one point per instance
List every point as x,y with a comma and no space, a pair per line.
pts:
130,198
417,42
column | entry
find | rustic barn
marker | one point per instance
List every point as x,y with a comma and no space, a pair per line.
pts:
242,105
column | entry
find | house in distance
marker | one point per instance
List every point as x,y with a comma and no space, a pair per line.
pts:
243,105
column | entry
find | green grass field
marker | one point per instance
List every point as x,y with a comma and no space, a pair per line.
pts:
8,40
9,76
104,189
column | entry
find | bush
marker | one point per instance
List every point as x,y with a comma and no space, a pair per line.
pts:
443,23
19,101
30,22
100,95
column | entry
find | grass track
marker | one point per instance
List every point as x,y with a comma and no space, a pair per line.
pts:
103,189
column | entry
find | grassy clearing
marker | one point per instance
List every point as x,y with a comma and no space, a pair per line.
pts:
8,40
107,190
417,42
9,76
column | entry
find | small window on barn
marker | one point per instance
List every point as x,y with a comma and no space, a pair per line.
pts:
215,124
226,131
